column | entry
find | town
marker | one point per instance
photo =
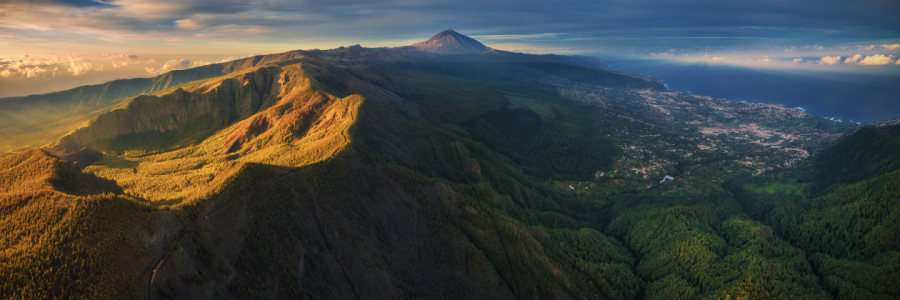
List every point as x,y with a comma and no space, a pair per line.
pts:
698,138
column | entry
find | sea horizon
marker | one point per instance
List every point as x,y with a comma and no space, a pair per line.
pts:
845,97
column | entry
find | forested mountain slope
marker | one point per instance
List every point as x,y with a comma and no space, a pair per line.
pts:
63,230
870,152
844,211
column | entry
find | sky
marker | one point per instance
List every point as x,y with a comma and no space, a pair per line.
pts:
51,45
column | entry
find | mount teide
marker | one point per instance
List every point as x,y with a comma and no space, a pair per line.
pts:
451,42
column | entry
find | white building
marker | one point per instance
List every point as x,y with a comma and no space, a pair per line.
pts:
667,179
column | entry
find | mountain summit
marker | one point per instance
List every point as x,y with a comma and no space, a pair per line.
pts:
451,42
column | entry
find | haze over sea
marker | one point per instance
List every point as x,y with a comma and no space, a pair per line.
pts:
845,96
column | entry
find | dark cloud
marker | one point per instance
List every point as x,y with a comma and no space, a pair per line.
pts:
82,3
75,3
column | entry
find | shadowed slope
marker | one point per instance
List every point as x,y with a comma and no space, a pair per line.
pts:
870,152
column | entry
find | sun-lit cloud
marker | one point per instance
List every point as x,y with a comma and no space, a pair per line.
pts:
875,60
796,60
853,59
870,60
890,47
175,64
231,58
188,24
829,60
79,68
125,60
25,67
150,10
44,68
36,74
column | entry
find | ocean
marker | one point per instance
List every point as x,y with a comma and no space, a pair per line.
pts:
842,96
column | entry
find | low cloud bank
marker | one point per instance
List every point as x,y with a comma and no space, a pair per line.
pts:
176,64
829,60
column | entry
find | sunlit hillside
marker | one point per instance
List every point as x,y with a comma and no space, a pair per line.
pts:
63,230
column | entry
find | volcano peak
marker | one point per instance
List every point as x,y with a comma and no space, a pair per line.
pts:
451,42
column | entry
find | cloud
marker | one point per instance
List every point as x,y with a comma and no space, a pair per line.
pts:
871,60
853,59
175,64
829,60
664,54
886,47
48,67
231,58
875,60
796,60
124,60
79,68
180,64
717,58
26,67
515,36
188,24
